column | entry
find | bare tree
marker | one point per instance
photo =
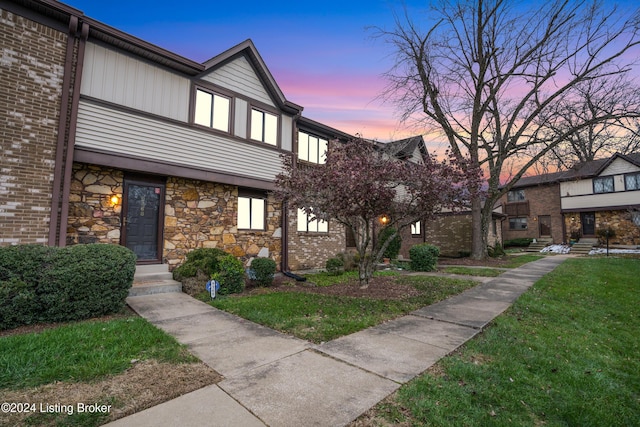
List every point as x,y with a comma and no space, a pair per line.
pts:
492,80
600,138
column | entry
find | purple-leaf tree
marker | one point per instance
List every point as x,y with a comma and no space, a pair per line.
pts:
361,182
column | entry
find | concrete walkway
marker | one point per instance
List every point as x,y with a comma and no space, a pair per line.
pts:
276,380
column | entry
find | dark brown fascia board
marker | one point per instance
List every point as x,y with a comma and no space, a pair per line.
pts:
312,125
112,36
249,49
610,160
139,47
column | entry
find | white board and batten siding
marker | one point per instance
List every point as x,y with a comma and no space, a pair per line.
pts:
122,79
620,166
127,134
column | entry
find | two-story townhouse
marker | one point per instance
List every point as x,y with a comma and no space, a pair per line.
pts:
533,209
603,194
111,139
592,196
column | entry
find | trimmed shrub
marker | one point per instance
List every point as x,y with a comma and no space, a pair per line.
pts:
496,251
205,260
520,242
230,276
44,284
424,257
349,260
393,249
334,266
264,270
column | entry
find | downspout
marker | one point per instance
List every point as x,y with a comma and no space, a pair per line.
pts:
54,225
73,122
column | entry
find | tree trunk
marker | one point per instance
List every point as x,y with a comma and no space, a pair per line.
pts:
479,230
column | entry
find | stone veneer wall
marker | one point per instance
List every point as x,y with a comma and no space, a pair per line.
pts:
32,68
312,250
92,216
627,233
201,214
198,214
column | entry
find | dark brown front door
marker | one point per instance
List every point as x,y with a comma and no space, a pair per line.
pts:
545,225
142,219
588,220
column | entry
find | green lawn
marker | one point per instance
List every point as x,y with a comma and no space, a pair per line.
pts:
83,351
320,318
473,271
566,354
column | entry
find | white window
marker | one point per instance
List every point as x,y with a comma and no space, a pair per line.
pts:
312,148
264,127
416,228
316,225
212,110
251,213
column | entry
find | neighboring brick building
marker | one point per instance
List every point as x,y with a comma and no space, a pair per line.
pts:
580,202
533,209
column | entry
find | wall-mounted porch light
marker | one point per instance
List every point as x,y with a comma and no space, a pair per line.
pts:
384,220
114,199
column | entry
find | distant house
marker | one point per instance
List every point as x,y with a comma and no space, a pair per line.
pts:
581,202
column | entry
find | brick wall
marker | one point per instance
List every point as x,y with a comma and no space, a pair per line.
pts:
543,200
312,250
32,67
451,233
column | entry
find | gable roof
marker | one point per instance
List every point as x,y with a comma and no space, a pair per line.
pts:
249,51
578,171
404,149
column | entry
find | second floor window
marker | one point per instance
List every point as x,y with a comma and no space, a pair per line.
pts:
212,110
603,184
264,127
632,181
515,196
312,148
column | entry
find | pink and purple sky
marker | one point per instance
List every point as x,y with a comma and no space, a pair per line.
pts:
323,54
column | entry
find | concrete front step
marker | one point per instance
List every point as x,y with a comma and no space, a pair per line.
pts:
152,272
153,279
154,287
581,248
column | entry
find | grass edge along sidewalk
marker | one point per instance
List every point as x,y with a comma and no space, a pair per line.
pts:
564,354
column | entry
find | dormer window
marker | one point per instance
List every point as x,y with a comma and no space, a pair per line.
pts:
212,110
264,126
312,148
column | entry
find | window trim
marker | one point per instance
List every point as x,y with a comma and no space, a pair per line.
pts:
519,191
320,139
526,219
637,176
251,108
307,222
602,178
252,196
419,227
214,92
